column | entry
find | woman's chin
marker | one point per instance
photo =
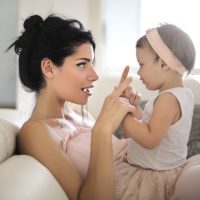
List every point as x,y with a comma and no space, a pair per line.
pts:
81,102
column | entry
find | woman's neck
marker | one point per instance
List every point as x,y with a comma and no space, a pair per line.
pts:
47,106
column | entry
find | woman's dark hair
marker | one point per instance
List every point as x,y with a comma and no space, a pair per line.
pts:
54,38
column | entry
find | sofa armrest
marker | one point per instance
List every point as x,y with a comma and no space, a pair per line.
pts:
23,177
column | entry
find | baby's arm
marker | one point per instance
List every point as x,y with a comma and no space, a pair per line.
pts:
150,135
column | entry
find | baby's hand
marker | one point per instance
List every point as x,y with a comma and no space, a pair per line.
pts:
133,96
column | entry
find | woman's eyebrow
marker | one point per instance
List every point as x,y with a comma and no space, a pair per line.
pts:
86,59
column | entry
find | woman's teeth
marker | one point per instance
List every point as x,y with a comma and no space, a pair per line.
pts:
85,90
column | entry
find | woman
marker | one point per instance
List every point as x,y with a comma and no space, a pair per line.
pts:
56,57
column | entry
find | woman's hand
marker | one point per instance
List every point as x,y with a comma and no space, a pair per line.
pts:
114,109
129,93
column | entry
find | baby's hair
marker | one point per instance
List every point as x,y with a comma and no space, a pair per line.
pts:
177,41
55,38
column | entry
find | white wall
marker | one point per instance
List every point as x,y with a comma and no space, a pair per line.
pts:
8,21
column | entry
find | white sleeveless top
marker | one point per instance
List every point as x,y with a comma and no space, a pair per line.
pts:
172,150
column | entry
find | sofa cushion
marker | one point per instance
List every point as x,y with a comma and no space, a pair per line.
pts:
24,178
8,132
194,139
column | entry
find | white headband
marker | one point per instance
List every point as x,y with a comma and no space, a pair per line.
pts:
163,51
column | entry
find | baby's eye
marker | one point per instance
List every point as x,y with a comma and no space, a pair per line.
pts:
82,64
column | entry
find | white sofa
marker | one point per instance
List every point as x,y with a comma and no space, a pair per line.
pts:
24,178
21,176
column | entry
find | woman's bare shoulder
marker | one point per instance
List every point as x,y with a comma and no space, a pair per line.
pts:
40,140
36,133
29,125
37,127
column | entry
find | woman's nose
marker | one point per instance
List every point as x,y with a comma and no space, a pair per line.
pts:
93,75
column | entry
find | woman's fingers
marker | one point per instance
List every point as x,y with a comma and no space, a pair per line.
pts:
129,93
128,107
118,108
124,74
122,87
115,107
123,77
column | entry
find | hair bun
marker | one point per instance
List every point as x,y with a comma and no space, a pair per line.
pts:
33,23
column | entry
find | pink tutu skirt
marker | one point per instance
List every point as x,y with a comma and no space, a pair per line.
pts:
134,182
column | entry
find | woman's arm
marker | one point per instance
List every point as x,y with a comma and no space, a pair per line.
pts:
98,184
39,140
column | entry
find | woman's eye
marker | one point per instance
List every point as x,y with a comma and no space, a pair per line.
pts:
82,65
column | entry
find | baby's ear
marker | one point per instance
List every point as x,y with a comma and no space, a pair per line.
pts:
164,65
47,68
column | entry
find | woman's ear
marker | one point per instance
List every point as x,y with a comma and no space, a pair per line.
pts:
47,68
